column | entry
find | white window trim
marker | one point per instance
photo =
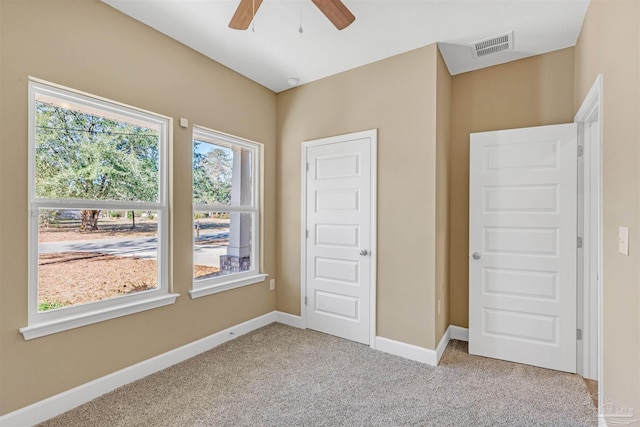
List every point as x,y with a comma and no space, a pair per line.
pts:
224,283
42,329
54,321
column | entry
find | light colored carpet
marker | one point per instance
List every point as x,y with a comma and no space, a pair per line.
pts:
282,376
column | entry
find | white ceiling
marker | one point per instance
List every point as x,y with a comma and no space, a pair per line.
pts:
277,51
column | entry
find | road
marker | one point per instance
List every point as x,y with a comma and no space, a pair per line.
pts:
141,247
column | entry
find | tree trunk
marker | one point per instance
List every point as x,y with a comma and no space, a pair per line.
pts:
133,219
89,220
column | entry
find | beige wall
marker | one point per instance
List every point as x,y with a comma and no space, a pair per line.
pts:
529,92
610,44
398,97
91,47
422,177
443,165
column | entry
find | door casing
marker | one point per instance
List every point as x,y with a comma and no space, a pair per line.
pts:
372,134
590,349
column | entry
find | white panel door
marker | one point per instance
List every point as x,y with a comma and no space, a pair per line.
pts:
338,250
523,244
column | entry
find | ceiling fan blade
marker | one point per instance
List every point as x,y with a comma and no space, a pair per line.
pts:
244,14
336,12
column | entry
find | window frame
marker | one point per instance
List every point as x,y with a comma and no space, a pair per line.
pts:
218,284
49,322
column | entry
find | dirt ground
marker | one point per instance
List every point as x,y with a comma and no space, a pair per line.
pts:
69,278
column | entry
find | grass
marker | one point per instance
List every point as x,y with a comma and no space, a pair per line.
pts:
50,305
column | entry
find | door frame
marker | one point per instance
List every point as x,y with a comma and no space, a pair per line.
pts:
590,287
372,134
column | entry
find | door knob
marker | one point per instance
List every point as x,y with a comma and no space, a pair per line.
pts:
476,255
364,252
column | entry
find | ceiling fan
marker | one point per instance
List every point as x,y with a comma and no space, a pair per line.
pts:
334,10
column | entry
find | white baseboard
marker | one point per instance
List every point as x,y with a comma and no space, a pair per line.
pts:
442,345
289,319
408,351
459,333
56,405
421,354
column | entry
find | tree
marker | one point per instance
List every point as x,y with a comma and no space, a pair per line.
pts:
88,157
212,170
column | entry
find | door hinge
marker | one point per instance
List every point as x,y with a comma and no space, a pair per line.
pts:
579,242
307,167
305,300
306,233
579,334
580,150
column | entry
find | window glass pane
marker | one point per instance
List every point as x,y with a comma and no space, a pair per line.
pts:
75,266
222,175
221,244
84,155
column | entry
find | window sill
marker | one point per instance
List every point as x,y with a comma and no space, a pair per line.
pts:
75,321
201,291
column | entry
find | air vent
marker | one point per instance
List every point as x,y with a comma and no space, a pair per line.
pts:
492,45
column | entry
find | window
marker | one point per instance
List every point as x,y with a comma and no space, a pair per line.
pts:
98,210
225,212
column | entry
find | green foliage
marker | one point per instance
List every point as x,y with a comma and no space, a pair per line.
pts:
87,157
138,214
49,217
212,175
50,305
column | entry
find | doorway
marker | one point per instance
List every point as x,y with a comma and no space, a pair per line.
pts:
339,235
523,245
589,257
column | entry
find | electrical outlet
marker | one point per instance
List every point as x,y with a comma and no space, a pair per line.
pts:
272,284
438,307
